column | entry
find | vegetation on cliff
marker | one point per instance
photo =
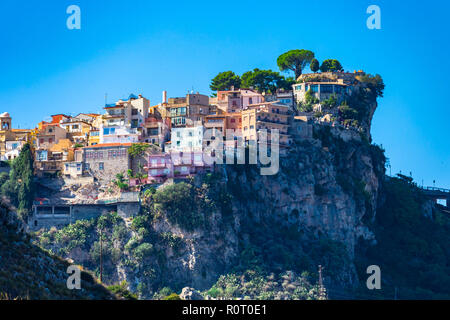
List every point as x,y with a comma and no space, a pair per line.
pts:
28,272
18,187
412,249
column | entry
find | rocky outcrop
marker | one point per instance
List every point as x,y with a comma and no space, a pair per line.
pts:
190,294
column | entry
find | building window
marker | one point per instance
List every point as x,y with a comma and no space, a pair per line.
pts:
134,112
326,88
101,166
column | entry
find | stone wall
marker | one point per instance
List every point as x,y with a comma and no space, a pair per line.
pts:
59,216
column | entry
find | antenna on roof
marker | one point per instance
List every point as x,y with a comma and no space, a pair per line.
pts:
106,98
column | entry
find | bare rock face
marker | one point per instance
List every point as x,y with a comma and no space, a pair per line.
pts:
190,294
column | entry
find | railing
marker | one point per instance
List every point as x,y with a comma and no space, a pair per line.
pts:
436,189
272,121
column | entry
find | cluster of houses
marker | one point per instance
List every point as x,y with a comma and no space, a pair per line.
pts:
97,145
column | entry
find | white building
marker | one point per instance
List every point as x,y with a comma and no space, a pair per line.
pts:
12,150
187,139
121,122
118,134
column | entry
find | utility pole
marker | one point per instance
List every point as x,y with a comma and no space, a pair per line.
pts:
101,254
321,288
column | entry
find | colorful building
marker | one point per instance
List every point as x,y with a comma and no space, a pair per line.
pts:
121,122
324,85
49,135
174,165
187,111
236,100
268,116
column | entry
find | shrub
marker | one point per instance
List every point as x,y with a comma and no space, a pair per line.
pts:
177,202
142,251
122,291
347,112
172,296
331,102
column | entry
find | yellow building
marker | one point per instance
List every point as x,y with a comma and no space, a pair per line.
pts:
94,137
269,116
77,130
8,135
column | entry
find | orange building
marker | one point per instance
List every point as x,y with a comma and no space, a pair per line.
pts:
269,116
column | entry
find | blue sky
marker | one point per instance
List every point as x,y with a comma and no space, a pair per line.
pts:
148,46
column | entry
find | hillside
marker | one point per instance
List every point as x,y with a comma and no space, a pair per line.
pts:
28,272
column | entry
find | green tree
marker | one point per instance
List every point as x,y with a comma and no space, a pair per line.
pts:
295,60
136,151
263,80
347,112
224,81
177,202
20,187
120,181
375,83
314,65
331,65
310,98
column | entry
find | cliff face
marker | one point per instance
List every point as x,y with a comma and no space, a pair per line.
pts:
326,190
313,211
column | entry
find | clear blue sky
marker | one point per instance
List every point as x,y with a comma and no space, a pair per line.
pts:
149,46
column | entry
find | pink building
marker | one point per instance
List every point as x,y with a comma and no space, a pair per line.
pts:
175,165
236,100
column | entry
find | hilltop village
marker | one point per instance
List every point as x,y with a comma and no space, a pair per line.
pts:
103,159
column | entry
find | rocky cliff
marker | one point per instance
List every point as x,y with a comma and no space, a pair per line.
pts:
313,211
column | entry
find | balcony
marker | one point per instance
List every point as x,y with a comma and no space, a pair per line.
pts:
158,165
275,121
